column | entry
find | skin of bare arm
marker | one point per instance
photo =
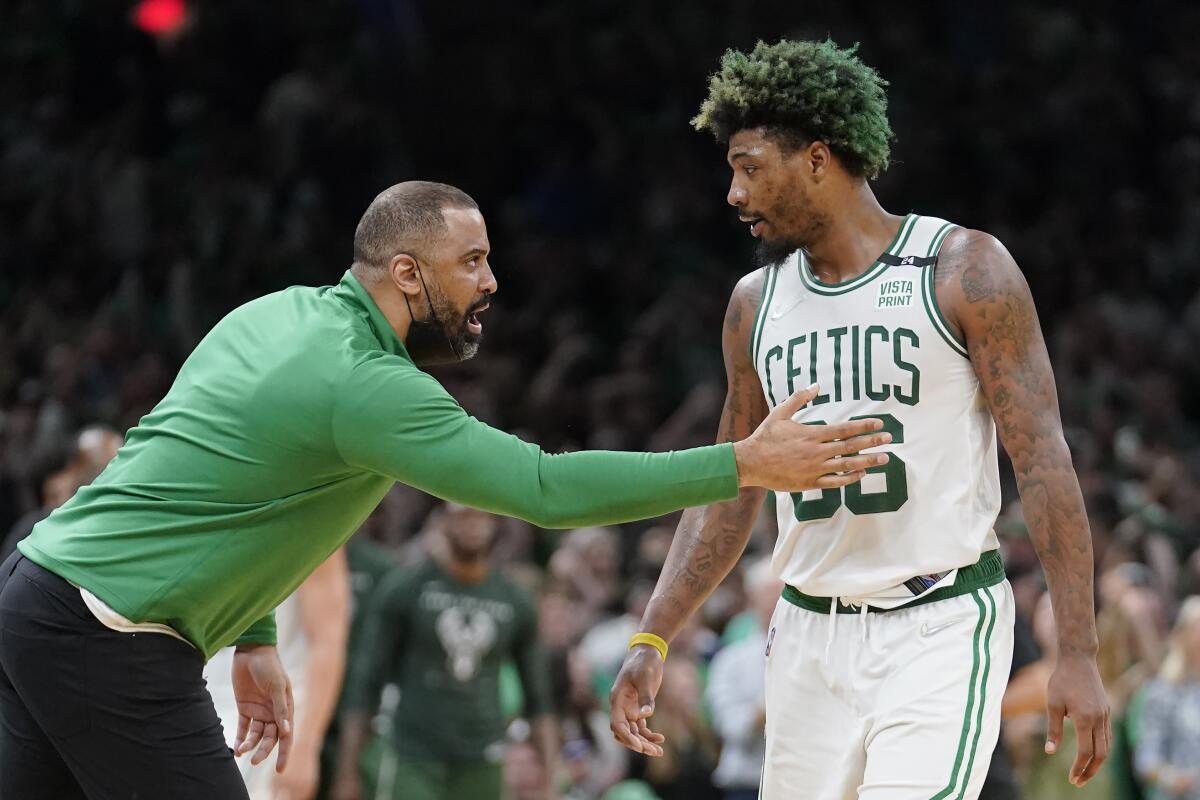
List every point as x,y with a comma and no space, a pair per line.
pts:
984,295
324,599
709,541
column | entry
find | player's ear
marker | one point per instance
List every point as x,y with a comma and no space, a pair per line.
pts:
818,159
402,269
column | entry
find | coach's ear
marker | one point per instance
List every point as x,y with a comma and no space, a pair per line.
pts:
403,271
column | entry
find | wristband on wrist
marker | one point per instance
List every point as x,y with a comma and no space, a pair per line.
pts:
655,641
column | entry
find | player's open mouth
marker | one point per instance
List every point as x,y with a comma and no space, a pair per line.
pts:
755,224
474,326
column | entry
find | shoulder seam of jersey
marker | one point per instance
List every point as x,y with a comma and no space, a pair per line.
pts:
929,295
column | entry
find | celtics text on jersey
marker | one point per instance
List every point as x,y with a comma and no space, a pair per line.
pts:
879,347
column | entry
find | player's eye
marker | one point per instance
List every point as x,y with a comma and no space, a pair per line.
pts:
473,263
749,169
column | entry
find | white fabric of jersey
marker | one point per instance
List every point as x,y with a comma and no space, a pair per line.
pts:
293,654
879,347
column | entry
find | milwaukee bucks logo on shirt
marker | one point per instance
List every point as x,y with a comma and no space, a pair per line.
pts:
465,635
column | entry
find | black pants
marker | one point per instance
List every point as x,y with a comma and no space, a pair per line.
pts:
87,712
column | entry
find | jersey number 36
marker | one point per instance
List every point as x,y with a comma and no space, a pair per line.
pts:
853,496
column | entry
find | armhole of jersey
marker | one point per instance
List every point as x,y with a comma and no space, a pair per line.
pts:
760,319
929,295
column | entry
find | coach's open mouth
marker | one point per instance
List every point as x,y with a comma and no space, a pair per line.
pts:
473,323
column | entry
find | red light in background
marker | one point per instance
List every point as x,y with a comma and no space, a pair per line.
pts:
160,17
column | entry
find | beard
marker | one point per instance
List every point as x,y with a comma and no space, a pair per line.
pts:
795,207
442,336
773,253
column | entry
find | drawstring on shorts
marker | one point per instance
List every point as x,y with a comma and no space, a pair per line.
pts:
863,614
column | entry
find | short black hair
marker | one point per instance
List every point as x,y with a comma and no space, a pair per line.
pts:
405,218
803,91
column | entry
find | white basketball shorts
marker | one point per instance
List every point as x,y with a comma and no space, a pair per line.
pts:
897,705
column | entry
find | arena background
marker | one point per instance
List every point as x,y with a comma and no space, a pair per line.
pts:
163,162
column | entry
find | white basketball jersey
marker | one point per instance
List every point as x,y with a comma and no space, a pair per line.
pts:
879,347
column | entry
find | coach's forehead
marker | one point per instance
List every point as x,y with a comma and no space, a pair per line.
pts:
466,231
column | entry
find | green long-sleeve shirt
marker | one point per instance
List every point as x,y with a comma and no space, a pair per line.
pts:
283,430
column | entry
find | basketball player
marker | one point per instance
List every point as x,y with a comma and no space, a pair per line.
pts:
284,428
889,650
312,629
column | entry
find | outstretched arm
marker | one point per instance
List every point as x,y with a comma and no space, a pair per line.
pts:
392,419
709,541
985,295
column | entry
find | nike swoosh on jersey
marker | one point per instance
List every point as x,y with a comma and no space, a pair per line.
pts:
782,311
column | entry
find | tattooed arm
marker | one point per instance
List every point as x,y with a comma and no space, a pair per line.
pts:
709,541
985,297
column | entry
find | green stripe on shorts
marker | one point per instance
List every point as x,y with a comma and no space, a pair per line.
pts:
972,691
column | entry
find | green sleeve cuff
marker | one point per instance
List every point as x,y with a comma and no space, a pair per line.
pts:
261,632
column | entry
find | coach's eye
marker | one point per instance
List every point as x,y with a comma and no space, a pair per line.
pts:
473,263
749,170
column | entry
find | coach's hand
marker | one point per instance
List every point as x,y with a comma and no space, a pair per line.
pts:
788,456
264,701
632,701
1076,692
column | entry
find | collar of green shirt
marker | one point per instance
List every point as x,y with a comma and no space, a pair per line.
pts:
355,295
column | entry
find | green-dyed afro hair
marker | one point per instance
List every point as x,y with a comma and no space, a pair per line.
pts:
806,91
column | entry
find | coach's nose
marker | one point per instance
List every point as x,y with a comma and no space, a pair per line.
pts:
487,280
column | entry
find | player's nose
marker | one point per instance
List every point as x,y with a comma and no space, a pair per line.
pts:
736,196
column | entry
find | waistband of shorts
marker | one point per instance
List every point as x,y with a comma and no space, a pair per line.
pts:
987,571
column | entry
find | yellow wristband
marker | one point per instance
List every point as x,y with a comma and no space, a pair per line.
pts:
657,642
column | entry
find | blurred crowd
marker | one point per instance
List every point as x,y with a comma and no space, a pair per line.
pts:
148,184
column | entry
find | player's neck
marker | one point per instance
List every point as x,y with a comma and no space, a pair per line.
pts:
856,235
474,571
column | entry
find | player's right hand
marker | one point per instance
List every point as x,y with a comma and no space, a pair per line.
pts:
632,701
788,456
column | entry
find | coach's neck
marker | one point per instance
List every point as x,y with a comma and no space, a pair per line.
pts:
388,298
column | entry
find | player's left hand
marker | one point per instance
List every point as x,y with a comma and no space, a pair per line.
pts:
264,701
632,701
1075,692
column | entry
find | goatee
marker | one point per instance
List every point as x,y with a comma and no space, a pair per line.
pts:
773,253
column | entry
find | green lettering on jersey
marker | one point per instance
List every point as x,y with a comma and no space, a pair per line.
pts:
792,370
812,368
836,334
913,395
856,393
777,353
884,392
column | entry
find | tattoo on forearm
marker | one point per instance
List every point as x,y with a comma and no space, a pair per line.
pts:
1006,348
710,540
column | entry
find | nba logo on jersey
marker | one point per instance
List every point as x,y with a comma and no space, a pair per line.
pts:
770,638
897,293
